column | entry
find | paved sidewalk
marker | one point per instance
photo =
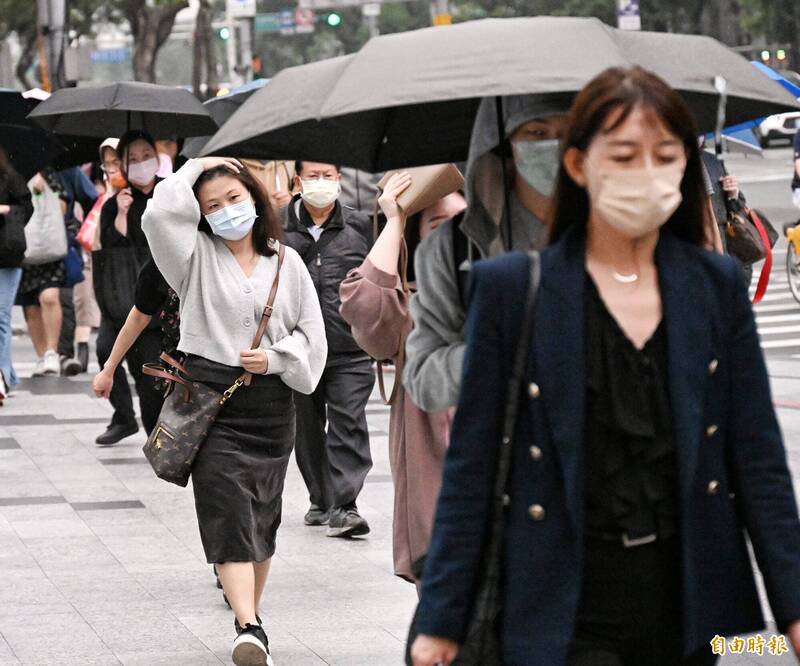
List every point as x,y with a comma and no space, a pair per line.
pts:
101,563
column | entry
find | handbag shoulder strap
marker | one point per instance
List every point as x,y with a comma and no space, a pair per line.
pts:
247,377
763,278
517,375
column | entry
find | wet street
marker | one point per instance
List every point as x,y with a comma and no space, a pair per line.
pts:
101,562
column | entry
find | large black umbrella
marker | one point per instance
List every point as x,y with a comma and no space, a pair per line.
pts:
114,109
29,149
221,108
410,98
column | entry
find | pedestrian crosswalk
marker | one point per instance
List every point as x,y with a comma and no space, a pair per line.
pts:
778,314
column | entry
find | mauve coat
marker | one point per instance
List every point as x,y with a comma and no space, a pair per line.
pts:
376,308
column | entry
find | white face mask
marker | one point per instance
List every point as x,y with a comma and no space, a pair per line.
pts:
233,222
143,173
320,193
538,162
636,202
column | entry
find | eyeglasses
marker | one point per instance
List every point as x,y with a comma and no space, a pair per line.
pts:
112,165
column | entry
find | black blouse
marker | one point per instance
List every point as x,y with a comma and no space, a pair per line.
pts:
631,474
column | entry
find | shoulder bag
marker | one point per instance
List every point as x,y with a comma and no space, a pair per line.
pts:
45,233
189,412
750,237
482,642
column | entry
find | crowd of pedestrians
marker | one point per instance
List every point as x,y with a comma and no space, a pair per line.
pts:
634,462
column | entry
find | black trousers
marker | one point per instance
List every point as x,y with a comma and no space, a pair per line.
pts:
146,350
335,463
66,339
630,608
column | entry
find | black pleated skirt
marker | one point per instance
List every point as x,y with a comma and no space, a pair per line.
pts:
239,473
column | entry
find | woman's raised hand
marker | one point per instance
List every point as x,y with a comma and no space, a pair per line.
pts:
228,162
433,651
397,184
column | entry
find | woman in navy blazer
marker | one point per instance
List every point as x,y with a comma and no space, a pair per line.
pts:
628,231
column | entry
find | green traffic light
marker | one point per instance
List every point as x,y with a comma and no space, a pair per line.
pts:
224,33
334,20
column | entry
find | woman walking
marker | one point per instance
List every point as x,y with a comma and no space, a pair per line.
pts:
638,461
222,279
124,251
15,211
375,304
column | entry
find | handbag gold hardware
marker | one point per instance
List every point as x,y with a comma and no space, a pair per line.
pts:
229,393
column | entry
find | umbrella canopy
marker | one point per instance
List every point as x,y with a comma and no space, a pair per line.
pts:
221,108
410,98
29,149
112,110
777,77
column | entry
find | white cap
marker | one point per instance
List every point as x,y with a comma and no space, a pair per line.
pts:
111,142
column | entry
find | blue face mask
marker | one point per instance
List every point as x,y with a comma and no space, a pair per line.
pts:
233,222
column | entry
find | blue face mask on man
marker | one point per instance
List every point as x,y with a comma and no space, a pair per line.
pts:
233,222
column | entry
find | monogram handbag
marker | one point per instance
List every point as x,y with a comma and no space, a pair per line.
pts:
750,237
191,407
482,645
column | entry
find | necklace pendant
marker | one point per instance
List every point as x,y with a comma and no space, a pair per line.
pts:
624,279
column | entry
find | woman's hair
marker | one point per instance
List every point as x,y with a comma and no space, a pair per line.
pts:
266,227
128,138
622,90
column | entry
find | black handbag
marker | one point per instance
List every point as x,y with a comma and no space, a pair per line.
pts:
12,226
191,407
481,645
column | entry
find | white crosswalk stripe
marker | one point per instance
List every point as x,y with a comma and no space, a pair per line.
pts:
778,314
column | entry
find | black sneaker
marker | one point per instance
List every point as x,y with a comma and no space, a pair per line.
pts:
345,521
316,516
70,366
238,626
116,432
251,647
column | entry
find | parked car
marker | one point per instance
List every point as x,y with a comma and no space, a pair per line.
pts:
780,127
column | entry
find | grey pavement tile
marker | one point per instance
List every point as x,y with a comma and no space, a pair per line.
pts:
124,461
185,593
122,522
99,587
8,443
193,658
67,553
33,529
54,386
67,634
140,628
7,656
111,505
31,501
104,491
151,552
30,586
379,478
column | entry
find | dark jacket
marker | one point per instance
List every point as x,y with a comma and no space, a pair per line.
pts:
342,247
14,193
109,236
722,434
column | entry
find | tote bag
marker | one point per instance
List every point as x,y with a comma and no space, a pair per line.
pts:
45,233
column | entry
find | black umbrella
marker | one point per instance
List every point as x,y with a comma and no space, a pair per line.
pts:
112,110
410,98
221,108
29,149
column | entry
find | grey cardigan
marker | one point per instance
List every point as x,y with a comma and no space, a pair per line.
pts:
220,306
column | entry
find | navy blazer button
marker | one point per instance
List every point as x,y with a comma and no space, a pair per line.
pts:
536,453
533,390
506,440
713,487
506,500
711,430
536,511
712,367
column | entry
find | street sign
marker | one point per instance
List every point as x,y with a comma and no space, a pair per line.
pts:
268,22
287,22
303,21
335,4
241,8
628,16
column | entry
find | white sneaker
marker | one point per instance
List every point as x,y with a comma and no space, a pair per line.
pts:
52,363
38,369
3,388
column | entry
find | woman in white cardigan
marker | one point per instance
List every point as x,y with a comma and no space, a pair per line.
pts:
223,272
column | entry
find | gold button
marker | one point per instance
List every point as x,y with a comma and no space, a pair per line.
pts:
712,367
536,511
713,487
711,430
533,390
536,453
